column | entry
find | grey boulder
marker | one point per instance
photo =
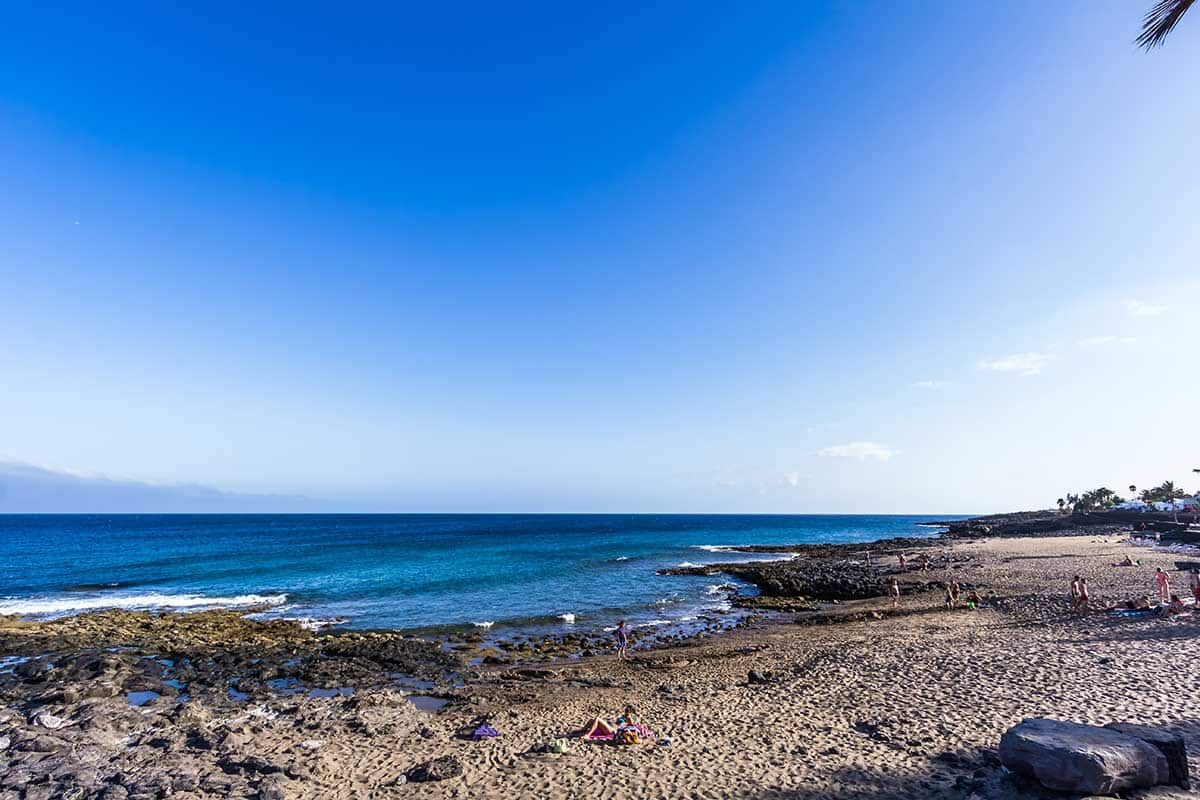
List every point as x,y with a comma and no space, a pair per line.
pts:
1171,745
1081,759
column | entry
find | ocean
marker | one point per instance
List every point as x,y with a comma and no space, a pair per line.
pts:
402,571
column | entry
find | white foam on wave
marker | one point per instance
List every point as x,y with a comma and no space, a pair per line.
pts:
567,618
484,624
714,548
654,623
45,606
621,558
764,558
688,565
317,623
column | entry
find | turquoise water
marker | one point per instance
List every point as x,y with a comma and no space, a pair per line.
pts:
398,571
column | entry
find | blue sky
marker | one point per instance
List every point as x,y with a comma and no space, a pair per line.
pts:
926,257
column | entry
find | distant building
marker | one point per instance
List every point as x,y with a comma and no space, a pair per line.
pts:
1189,505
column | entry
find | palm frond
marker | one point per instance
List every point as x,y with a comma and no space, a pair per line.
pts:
1160,21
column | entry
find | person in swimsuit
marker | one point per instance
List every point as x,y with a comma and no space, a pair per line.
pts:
1084,598
1194,582
622,640
1075,594
1176,606
894,592
902,561
1164,586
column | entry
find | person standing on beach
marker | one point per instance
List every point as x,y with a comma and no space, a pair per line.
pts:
622,640
902,562
1075,592
1164,587
1194,582
1082,603
894,592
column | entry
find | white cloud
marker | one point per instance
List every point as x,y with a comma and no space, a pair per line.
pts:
929,384
1024,363
793,478
1140,309
1098,341
860,450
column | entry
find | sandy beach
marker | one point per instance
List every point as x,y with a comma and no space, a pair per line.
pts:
872,703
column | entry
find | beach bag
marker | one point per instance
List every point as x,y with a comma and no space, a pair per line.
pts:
629,735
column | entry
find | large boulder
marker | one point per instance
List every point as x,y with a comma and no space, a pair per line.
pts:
1171,745
1081,759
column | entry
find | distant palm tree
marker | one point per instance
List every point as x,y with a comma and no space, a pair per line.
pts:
1061,504
1160,21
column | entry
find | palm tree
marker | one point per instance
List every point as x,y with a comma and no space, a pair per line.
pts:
1061,505
1160,21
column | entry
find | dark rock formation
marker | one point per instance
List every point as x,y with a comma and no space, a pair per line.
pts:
1170,744
1081,759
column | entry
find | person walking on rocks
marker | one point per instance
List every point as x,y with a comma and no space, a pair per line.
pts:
894,592
622,640
1164,587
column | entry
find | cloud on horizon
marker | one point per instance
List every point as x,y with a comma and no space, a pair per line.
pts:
1022,363
31,489
859,450
1140,309
1098,341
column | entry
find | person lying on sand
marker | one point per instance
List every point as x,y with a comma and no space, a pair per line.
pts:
600,729
1134,604
1176,606
1126,562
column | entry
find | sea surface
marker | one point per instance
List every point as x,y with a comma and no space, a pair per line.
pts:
405,571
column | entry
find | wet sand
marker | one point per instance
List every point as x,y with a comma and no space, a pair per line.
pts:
881,704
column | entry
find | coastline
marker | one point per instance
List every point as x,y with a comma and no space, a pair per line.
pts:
855,701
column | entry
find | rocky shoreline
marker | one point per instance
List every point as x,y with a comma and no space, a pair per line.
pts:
120,704
816,575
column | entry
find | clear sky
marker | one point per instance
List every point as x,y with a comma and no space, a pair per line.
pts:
777,257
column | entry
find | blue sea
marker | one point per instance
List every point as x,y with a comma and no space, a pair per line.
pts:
400,571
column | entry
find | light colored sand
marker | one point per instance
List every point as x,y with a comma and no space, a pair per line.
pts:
924,685
906,705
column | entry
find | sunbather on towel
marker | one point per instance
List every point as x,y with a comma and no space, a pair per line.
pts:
600,731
